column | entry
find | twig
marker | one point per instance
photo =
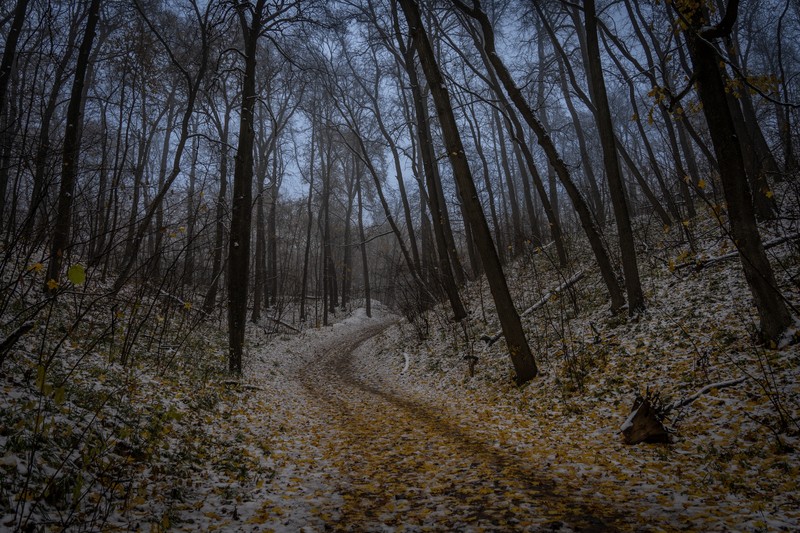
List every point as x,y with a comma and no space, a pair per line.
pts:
566,285
699,264
284,324
696,395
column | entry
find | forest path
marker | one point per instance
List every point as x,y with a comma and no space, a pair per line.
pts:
361,454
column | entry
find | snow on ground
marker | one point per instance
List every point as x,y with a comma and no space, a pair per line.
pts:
365,426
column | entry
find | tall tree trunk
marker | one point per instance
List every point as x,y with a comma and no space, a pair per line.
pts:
347,263
261,258
773,313
6,68
191,217
446,269
327,162
72,143
310,214
219,218
487,180
520,353
362,237
616,185
544,140
241,207
516,217
272,230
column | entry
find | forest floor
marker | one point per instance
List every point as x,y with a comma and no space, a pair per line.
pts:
357,451
378,424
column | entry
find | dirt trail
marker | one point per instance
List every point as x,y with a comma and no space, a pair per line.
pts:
392,461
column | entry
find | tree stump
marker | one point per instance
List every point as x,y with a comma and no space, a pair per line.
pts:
643,424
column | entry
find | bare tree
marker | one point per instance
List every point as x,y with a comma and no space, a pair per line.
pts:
699,36
521,356
72,143
633,285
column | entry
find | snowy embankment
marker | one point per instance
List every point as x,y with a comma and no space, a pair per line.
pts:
363,425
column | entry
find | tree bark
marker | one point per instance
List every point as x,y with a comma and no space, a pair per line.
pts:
429,165
241,208
773,313
363,245
520,353
69,165
616,185
6,67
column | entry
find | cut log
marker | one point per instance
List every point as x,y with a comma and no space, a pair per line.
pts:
643,425
646,421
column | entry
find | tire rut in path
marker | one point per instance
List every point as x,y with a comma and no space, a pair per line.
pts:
407,463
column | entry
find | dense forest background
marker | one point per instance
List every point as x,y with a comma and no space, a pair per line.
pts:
176,174
284,156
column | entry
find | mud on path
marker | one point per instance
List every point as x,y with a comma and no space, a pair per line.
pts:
361,454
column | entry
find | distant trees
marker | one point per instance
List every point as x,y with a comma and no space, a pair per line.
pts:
299,157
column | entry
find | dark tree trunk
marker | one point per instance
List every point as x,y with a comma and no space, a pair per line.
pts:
516,217
310,214
69,165
241,207
260,278
446,270
191,218
773,314
363,246
219,219
616,184
520,353
272,232
6,68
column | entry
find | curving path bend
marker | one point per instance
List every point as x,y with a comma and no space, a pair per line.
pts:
355,451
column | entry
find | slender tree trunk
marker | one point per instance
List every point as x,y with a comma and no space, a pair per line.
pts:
272,231
363,246
446,269
69,165
219,219
616,184
347,263
241,208
326,233
6,68
310,214
487,181
191,218
516,217
520,353
773,313
261,255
